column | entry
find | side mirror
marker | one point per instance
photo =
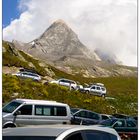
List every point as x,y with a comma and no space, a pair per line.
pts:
17,113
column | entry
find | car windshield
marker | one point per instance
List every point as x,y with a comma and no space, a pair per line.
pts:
9,108
73,110
28,138
108,122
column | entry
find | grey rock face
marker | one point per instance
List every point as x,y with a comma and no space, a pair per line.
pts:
56,43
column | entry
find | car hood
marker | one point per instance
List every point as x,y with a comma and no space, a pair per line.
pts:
4,114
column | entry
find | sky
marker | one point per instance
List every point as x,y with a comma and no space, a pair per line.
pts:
106,25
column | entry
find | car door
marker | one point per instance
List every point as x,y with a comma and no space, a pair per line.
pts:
120,126
64,83
98,90
92,118
80,117
25,115
93,90
131,126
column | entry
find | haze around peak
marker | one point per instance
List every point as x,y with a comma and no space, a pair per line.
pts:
108,25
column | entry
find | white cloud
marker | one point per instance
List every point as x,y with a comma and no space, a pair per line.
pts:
109,25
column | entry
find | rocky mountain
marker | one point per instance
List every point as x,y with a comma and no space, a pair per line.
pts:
60,47
58,43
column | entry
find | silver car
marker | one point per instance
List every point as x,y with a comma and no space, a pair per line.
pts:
30,75
65,82
22,112
60,132
96,89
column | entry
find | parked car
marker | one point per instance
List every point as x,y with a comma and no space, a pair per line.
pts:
126,127
65,82
84,117
95,89
21,112
60,132
25,74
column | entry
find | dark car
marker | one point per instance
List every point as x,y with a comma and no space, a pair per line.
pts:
84,117
125,127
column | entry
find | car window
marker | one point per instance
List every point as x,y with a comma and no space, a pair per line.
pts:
76,136
65,81
73,110
93,87
108,122
104,117
81,114
50,110
119,123
130,124
72,82
103,89
28,138
98,88
26,110
93,116
11,107
99,135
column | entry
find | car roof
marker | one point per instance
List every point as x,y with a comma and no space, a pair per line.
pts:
51,130
29,101
81,109
66,79
27,72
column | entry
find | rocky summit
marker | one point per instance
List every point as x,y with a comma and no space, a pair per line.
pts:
58,43
60,46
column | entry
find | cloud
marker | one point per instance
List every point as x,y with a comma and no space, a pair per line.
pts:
108,25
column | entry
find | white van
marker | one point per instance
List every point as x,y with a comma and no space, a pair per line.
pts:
21,112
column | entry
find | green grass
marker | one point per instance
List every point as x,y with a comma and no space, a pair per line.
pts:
124,90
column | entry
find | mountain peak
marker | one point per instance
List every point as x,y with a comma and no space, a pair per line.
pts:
61,21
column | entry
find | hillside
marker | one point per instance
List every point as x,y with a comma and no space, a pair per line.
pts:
122,90
123,94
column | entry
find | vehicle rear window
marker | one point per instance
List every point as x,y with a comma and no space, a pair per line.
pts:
99,135
76,136
73,110
28,138
50,110
103,89
11,107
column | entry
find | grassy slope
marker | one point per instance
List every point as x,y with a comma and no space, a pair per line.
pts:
125,95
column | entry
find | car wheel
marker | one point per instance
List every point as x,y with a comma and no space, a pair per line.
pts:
87,92
9,125
103,95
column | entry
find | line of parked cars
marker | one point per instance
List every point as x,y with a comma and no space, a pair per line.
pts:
97,89
31,114
23,112
93,89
